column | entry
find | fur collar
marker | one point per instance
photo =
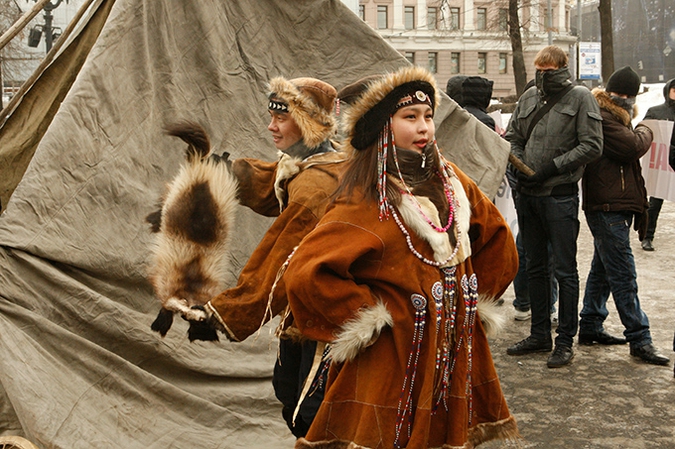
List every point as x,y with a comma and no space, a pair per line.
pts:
440,242
606,103
287,168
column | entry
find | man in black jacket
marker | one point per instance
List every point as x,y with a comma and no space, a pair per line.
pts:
613,194
665,111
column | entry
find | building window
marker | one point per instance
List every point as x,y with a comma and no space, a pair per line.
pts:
567,20
481,18
503,19
454,63
482,62
409,16
410,56
433,62
432,18
382,17
362,12
454,18
502,62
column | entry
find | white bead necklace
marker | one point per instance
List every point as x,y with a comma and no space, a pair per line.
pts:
412,249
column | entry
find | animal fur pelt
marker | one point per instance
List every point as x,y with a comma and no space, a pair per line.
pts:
190,255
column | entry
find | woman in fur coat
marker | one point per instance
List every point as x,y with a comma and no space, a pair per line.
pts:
394,279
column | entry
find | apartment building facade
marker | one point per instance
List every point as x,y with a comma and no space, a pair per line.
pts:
468,37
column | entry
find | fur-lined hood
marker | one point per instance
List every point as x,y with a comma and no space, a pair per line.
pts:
377,91
310,103
606,103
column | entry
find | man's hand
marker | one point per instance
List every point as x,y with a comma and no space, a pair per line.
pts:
539,177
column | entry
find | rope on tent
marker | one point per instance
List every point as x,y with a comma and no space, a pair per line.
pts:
16,99
21,23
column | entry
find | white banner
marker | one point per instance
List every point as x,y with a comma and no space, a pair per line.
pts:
504,202
659,176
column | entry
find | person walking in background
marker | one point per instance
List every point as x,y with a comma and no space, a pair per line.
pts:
473,93
391,279
665,111
613,195
556,129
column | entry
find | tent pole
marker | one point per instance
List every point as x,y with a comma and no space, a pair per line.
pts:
21,23
44,64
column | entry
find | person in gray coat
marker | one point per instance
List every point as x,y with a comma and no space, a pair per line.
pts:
561,141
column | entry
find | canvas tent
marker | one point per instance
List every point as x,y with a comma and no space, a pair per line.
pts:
79,366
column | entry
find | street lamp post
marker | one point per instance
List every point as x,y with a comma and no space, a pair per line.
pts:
47,27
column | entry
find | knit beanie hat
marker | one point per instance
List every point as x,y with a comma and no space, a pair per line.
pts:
624,81
310,103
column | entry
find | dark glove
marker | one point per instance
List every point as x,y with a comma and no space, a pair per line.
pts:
223,158
539,177
640,223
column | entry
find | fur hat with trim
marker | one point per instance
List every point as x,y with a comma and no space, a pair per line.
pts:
371,111
310,103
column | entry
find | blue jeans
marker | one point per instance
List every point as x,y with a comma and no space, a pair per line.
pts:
520,287
613,270
554,221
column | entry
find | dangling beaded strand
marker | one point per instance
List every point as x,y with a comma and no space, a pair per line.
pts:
404,412
443,354
472,287
383,148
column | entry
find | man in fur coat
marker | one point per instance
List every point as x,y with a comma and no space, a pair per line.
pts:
295,189
613,194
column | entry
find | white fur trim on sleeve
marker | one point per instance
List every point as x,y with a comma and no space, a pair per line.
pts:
360,332
491,315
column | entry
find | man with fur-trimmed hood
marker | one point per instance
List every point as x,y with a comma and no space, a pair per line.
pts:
613,194
296,190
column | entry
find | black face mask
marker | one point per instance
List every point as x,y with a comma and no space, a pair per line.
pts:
626,103
550,82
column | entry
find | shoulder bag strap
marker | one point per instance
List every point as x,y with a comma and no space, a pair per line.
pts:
547,107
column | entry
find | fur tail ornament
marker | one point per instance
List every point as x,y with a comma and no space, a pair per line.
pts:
190,256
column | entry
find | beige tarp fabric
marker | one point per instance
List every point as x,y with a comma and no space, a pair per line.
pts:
79,366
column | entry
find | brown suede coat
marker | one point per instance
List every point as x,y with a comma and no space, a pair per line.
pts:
352,278
307,188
